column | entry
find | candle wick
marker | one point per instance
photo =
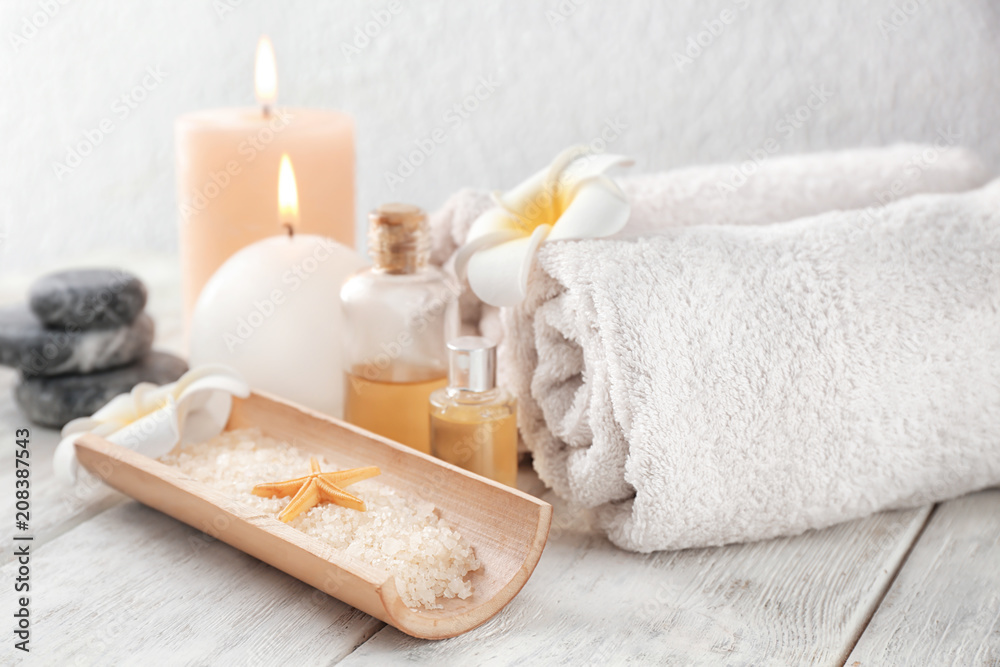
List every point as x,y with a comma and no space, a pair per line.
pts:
266,109
290,228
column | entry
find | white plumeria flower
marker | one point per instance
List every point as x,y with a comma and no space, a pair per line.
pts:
569,199
152,419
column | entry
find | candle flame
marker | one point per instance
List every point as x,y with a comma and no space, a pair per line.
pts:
265,74
288,195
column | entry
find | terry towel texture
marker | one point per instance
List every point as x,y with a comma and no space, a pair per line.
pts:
710,385
713,441
777,190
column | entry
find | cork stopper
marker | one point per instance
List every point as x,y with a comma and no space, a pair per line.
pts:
398,238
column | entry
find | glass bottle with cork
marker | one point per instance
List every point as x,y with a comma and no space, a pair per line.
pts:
398,314
474,422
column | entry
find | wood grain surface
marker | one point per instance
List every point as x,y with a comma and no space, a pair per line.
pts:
944,607
117,583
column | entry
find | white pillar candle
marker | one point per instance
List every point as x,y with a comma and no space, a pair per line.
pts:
272,312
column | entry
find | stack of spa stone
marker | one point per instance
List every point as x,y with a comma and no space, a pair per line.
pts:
81,340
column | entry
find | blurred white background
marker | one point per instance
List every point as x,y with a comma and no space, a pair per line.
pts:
685,86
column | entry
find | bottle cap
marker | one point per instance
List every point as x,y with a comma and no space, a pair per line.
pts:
472,363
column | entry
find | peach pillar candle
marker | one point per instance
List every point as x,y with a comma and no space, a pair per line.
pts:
226,162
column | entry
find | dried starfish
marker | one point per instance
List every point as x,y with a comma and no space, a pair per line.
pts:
316,487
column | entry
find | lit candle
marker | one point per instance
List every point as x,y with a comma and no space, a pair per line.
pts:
272,312
226,161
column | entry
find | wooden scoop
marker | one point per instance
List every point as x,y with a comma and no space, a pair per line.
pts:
506,527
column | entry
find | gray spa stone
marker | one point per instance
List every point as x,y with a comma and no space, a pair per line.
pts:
87,298
54,401
36,350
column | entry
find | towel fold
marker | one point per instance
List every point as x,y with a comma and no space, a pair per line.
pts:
710,385
776,189
690,451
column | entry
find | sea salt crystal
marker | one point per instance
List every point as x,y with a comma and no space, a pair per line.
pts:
427,556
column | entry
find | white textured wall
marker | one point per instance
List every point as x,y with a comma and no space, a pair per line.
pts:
893,70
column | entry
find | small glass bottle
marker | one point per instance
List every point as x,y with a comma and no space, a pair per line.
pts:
474,422
398,314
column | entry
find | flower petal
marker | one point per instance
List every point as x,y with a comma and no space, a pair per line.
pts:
121,408
488,240
565,159
494,220
598,209
499,275
526,199
590,165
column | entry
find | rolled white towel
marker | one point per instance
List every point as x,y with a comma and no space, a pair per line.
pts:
776,190
715,384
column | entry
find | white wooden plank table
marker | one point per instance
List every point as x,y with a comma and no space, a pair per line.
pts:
114,582
944,607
